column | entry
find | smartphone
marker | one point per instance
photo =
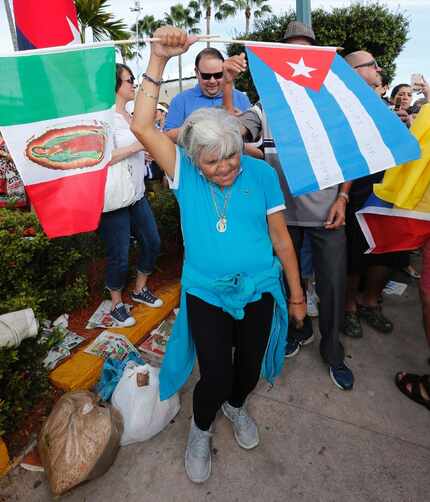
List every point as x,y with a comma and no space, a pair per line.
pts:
417,82
397,103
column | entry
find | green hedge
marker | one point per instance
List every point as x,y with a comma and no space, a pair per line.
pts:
23,380
46,275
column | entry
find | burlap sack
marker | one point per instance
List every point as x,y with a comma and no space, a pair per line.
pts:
79,441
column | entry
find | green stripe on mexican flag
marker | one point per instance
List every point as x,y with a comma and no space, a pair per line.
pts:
56,116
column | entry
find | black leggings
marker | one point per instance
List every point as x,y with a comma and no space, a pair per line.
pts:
223,378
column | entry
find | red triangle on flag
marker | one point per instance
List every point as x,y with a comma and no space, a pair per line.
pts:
304,66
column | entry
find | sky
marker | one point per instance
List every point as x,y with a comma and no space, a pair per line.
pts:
413,59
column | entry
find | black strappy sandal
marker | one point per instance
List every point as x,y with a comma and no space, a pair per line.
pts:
403,380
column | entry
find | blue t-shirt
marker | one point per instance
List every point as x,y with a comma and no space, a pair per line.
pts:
245,247
187,102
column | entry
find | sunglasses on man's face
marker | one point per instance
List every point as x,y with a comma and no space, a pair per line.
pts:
130,80
370,64
207,76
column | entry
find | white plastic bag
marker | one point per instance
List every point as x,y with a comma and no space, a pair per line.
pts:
137,398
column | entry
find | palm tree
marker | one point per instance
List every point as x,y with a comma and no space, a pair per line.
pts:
259,7
147,26
185,18
93,13
221,8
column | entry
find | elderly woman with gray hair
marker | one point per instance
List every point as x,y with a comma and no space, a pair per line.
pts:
236,249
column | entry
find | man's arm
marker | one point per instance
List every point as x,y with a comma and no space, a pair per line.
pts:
336,214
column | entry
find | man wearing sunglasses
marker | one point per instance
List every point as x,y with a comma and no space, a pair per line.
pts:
209,68
365,65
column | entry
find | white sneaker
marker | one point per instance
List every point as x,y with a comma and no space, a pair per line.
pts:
244,427
198,461
312,304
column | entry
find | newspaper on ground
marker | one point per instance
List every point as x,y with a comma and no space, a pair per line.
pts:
154,347
55,356
395,288
102,318
109,344
69,340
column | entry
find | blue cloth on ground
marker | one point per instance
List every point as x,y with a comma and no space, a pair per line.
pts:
112,372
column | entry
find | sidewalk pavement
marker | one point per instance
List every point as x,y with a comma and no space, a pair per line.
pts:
318,443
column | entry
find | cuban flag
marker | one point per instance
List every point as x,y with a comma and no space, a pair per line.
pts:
389,229
328,124
397,216
45,23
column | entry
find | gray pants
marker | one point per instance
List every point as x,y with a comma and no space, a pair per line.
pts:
329,263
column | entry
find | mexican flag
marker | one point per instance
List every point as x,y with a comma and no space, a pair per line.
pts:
56,115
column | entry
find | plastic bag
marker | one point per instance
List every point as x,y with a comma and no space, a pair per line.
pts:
79,441
112,373
137,398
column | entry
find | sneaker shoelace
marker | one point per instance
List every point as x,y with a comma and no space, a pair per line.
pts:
148,296
200,444
242,418
120,312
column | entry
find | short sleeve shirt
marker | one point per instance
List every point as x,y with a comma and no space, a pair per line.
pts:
245,247
187,102
308,210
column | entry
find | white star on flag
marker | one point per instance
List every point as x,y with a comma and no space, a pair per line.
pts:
301,69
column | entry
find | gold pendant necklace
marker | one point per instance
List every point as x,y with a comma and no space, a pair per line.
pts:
221,224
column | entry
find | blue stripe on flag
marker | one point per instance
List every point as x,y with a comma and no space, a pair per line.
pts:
403,147
340,134
297,167
375,201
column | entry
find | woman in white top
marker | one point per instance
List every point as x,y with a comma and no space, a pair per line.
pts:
117,226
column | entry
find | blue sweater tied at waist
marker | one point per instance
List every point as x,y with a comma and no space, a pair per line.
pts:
233,293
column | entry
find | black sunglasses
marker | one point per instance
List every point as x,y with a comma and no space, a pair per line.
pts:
369,64
207,76
130,80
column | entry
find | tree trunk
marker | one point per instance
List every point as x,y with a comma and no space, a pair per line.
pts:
208,24
180,72
247,20
11,25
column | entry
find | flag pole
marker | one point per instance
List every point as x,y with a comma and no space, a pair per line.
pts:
202,38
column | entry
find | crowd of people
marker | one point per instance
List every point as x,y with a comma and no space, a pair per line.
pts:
249,244
258,261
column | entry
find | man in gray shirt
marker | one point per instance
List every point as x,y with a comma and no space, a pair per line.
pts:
322,215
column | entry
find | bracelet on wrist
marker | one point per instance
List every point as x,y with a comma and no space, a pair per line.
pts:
297,303
152,80
148,95
344,195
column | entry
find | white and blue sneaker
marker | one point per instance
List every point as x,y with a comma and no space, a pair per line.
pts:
121,318
146,297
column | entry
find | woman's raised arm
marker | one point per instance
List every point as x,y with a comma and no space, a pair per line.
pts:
162,149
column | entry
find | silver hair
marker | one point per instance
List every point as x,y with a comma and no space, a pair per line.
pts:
211,130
